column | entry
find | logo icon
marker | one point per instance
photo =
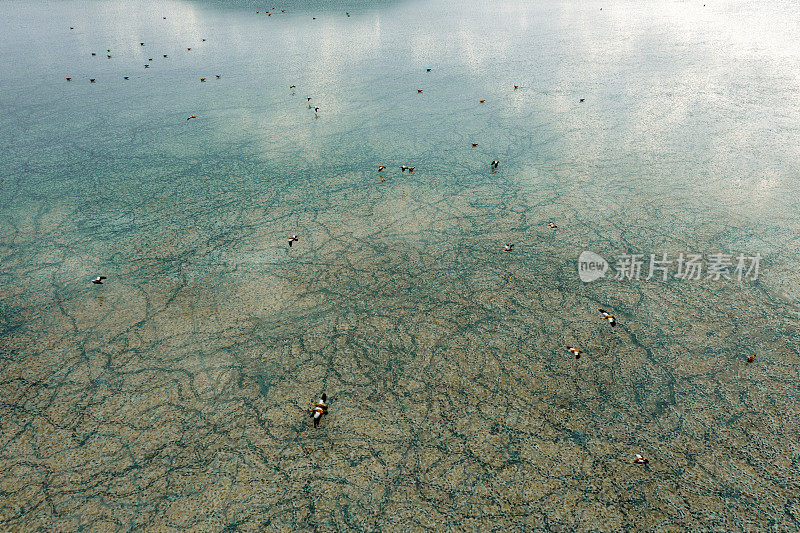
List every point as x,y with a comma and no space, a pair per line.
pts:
591,266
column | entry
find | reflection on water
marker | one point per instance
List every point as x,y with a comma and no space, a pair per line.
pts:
175,395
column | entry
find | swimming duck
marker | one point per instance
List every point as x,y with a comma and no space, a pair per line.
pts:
419,91
219,76
551,225
293,239
751,358
516,87
427,70
508,247
494,164
124,77
380,167
639,460
191,117
320,408
202,79
582,99
574,351
609,317
474,145
91,80
69,79
482,101
99,280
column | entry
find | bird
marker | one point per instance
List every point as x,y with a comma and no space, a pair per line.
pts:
380,167
188,48
291,86
191,117
474,145
219,76
308,98
72,27
202,79
639,460
164,18
403,168
382,179
609,317
91,80
94,54
124,77
149,58
508,247
516,87
411,170
482,101
320,408
147,66
582,99
574,351
427,70
141,44
551,225
419,91
165,55
494,164
751,358
69,79
202,40
292,239
108,49
316,109
99,280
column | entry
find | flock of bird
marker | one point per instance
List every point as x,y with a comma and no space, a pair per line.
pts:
320,407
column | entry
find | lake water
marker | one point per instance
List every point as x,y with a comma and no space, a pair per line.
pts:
176,394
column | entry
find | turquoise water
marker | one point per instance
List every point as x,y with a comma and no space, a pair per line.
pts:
176,394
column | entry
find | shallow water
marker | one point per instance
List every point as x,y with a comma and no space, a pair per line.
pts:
176,394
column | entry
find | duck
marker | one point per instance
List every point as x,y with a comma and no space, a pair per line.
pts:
551,225
91,80
751,358
574,351
474,145
99,280
639,460
191,117
202,79
508,247
609,317
582,100
494,164
69,79
427,70
483,101
381,167
320,408
516,87
293,239
419,91
219,76
124,77
147,66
